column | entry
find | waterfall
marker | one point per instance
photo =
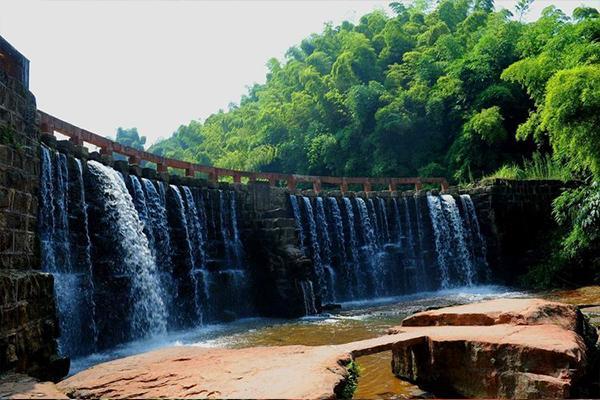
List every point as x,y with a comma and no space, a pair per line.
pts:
357,280
157,213
442,238
462,257
370,248
149,316
384,220
298,219
373,219
234,237
323,238
139,201
308,295
315,249
187,277
87,259
73,285
477,243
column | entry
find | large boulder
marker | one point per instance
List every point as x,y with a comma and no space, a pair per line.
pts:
510,348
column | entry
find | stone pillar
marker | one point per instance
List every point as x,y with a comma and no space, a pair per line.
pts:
317,186
28,322
291,184
161,168
134,160
344,186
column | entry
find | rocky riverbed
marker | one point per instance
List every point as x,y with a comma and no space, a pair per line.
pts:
531,347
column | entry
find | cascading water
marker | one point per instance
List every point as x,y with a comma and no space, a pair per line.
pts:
130,258
370,248
477,244
315,249
70,267
463,259
358,280
325,245
148,315
298,219
134,258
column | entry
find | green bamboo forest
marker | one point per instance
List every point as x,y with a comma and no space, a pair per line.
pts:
449,89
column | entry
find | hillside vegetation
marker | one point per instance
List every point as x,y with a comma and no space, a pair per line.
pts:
432,90
446,88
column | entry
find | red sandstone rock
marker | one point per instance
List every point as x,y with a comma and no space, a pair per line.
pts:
184,372
496,359
500,311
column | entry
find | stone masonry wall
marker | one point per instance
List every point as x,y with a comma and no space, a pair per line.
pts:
515,218
28,325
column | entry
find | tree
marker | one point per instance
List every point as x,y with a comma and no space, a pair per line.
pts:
130,137
523,7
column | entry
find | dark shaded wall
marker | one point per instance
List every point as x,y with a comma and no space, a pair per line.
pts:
28,324
516,219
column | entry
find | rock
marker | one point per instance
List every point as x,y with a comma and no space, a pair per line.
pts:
19,386
259,372
517,348
523,349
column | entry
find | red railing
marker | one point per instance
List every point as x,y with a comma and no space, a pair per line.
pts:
50,124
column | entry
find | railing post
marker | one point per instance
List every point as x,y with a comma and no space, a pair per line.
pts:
213,176
272,181
190,172
76,140
444,185
367,186
161,168
418,185
393,186
134,160
237,178
291,184
344,186
317,186
106,151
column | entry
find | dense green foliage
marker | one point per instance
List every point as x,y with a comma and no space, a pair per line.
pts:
417,93
130,137
442,88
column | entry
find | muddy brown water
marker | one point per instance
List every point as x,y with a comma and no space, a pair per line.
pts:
355,321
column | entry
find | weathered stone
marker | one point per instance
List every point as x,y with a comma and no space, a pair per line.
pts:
512,348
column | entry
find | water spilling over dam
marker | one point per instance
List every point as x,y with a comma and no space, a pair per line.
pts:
387,247
134,257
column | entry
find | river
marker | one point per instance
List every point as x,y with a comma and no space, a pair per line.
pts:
354,321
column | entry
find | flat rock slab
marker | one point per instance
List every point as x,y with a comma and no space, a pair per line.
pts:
500,311
195,372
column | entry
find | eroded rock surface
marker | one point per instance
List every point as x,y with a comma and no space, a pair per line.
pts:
523,349
515,348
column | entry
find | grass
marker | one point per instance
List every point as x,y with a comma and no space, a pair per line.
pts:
351,382
539,167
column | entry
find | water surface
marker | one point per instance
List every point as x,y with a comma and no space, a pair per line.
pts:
355,321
